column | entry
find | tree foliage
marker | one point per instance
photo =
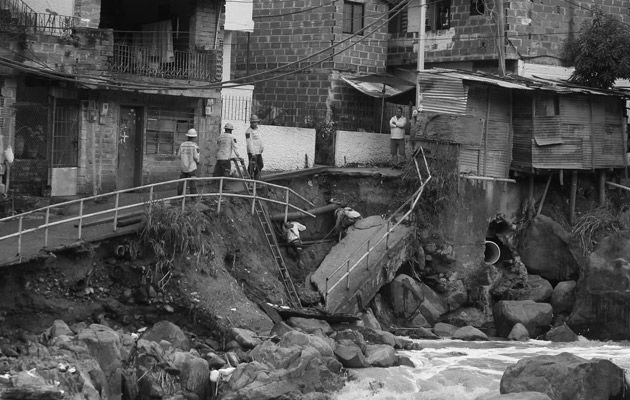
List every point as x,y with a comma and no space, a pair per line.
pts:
601,51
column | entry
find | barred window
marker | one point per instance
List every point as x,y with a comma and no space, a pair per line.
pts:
166,129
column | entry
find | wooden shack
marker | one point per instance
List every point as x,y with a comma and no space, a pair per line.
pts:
498,124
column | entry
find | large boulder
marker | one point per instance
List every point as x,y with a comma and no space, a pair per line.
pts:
444,330
166,330
519,333
603,292
405,296
538,289
104,345
545,250
380,355
300,363
245,338
309,325
515,396
536,317
433,306
469,333
350,355
467,316
566,377
194,373
563,297
561,333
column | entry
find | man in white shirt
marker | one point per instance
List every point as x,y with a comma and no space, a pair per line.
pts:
226,144
255,148
189,156
397,138
291,232
344,218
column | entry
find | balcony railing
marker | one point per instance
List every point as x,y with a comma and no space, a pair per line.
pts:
16,14
138,60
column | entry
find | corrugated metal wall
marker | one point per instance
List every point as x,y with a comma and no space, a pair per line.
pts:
523,127
443,94
494,104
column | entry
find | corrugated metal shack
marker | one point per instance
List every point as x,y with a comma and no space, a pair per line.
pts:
496,124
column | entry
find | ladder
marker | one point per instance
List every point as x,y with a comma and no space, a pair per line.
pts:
272,241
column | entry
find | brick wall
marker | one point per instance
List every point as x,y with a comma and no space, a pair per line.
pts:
288,38
536,28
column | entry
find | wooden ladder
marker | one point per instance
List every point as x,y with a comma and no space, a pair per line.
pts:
272,241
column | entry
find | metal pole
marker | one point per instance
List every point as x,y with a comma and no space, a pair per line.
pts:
80,218
348,275
20,237
387,237
220,195
367,256
184,194
46,223
116,203
150,198
421,44
286,206
254,199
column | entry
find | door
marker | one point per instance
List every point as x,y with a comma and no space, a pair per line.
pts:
129,149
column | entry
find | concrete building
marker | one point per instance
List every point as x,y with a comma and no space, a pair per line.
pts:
101,99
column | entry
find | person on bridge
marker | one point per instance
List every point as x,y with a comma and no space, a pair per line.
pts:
345,217
254,148
291,231
226,146
189,156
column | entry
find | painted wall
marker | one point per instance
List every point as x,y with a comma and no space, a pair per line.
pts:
363,148
285,147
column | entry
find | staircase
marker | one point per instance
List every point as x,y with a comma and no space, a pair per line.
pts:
272,241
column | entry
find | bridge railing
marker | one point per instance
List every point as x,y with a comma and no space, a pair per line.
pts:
145,196
395,219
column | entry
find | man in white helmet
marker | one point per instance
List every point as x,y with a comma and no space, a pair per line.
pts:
344,218
189,156
226,146
254,148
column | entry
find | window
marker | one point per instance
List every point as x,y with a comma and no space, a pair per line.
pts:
438,15
477,7
547,106
166,130
352,17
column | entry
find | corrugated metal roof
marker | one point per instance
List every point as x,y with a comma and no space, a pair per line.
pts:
515,82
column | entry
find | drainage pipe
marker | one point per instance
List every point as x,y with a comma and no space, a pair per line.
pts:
492,252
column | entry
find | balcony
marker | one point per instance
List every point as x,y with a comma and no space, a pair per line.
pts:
191,65
16,14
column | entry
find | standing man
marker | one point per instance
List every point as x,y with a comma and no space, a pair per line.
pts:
189,155
226,146
254,148
397,137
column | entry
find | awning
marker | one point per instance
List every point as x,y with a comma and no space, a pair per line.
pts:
379,85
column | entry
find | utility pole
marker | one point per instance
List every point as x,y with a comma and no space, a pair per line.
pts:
421,43
500,36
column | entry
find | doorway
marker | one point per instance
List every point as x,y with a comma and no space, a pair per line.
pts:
129,148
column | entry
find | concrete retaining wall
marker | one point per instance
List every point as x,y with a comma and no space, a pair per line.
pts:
364,148
286,148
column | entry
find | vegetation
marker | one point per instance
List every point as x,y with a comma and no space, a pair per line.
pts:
601,51
171,232
593,225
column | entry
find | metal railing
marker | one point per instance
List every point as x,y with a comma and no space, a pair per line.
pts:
16,13
83,216
139,60
371,243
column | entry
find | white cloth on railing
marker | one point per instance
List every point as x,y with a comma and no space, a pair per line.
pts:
157,38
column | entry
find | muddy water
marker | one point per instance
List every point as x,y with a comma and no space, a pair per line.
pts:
457,370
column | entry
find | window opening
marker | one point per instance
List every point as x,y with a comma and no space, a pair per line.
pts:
166,130
352,17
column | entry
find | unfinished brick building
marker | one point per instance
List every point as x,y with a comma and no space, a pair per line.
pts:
290,31
100,99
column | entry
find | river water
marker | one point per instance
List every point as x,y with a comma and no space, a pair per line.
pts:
458,370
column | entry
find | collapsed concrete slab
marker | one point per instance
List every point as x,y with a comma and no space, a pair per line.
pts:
350,293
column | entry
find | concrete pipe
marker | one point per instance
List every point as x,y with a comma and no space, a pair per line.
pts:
491,253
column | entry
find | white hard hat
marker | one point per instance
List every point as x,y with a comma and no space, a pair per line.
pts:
191,133
229,126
